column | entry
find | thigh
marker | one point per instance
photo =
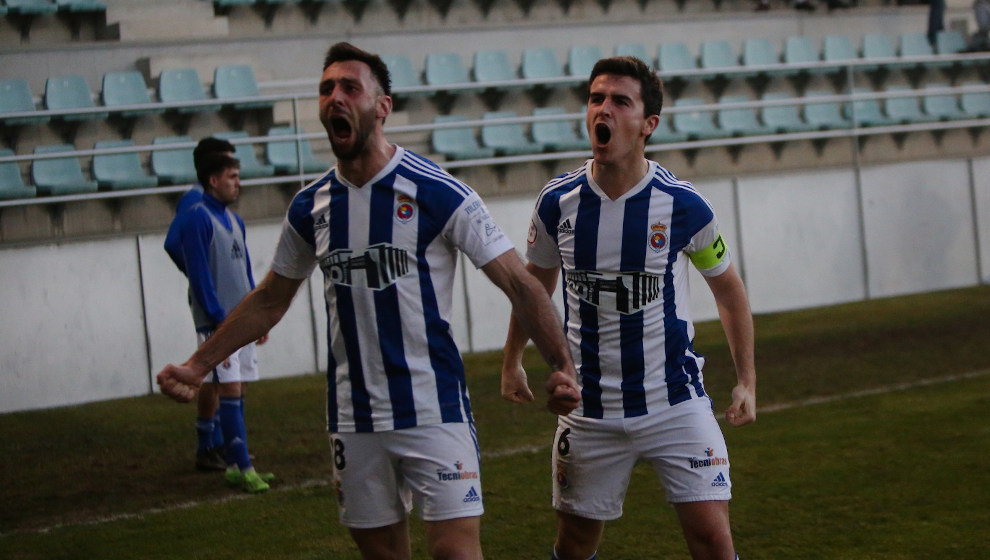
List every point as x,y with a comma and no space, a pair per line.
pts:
391,542
686,447
458,538
592,463
369,490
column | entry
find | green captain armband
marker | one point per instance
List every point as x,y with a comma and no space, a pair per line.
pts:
710,256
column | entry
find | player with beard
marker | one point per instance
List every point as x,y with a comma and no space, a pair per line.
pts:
622,229
385,226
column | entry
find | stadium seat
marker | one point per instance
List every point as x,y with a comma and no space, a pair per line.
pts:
838,48
15,97
941,106
493,66
285,153
540,63
673,58
251,168
581,59
904,109
738,121
975,104
70,92
81,6
178,85
717,56
783,119
11,183
237,80
401,70
173,166
823,115
58,176
557,135
865,112
696,125
459,142
916,44
506,138
635,50
127,88
760,52
445,68
949,41
878,46
30,7
119,171
664,134
801,50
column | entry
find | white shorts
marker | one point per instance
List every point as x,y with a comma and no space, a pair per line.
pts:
378,476
243,366
593,459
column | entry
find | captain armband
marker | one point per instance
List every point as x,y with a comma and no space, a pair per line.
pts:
710,256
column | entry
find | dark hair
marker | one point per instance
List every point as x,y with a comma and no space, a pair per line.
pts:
212,163
343,51
208,145
651,88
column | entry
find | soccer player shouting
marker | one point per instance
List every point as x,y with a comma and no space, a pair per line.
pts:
622,228
385,226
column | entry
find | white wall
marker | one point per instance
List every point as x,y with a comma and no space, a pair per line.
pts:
94,320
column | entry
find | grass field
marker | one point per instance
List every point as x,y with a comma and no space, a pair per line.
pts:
870,445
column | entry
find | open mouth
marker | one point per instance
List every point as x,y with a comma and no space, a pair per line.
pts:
340,128
602,133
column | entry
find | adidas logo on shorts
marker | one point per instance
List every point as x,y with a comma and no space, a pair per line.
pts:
720,480
472,496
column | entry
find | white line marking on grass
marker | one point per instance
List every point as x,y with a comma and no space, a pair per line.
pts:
512,452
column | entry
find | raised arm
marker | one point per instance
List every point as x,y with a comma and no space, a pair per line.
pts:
737,322
534,317
253,317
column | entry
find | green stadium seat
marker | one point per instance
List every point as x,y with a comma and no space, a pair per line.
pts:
838,48
760,52
457,142
949,41
916,44
696,125
557,135
59,176
540,63
865,112
11,182
30,7
664,134
81,6
120,171
823,115
127,88
285,154
401,70
15,97
581,59
941,106
717,56
782,119
251,168
236,81
173,166
492,66
975,104
801,50
673,58
635,50
738,121
178,85
445,68
70,92
904,109
878,46
506,138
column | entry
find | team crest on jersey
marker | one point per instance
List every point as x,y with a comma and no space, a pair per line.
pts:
531,238
405,208
658,237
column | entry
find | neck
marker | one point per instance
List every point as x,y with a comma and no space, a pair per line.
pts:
615,179
360,170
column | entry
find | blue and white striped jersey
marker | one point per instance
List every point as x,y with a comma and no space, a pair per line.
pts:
388,252
625,285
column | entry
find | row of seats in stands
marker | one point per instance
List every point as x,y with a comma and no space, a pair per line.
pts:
180,87
26,11
117,164
781,114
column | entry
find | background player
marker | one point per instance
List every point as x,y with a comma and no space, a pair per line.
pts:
385,226
622,228
216,259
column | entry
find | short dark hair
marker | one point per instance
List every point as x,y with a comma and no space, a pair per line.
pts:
343,51
212,163
651,88
210,144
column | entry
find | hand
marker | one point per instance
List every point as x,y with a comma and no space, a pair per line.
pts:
743,409
179,383
514,385
564,393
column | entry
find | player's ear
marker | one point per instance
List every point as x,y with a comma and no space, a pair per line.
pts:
384,106
650,124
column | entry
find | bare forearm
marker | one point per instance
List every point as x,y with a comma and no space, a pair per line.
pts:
534,317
